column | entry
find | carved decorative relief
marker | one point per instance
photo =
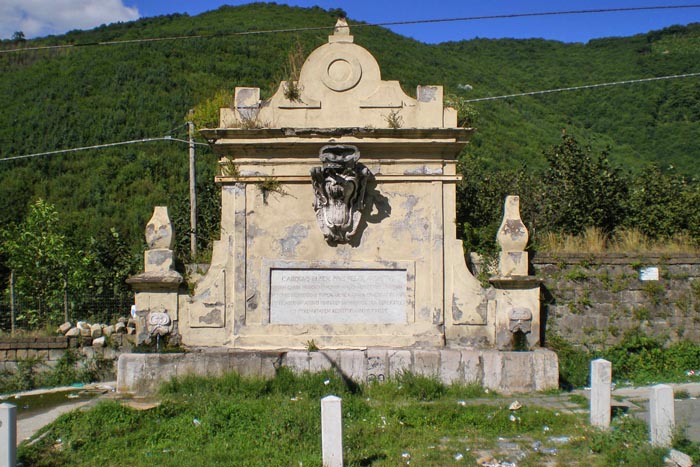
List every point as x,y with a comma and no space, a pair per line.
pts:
339,188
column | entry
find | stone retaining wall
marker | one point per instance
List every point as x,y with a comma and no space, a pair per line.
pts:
505,372
593,300
50,349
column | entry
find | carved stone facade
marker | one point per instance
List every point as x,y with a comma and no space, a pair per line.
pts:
353,252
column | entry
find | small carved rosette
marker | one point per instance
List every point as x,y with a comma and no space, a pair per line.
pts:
339,187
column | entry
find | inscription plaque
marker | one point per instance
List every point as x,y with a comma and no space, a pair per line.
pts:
337,296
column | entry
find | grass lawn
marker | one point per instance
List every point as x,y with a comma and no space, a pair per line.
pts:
234,421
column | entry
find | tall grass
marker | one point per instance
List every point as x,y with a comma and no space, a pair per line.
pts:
594,240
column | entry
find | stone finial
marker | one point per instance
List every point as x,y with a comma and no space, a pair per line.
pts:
512,238
341,32
341,27
159,230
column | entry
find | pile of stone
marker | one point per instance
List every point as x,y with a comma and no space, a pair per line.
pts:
96,334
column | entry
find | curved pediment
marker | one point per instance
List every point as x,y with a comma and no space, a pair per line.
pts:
340,85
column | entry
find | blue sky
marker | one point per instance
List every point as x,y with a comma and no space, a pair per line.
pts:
43,17
570,28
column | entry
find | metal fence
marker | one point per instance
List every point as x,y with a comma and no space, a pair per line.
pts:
92,309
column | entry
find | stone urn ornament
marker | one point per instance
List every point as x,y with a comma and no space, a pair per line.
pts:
159,230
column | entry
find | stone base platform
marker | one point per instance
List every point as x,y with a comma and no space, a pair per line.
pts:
504,372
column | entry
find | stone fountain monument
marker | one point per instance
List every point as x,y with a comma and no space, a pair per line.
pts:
338,244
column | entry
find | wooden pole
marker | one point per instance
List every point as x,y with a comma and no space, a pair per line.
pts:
12,302
193,194
65,300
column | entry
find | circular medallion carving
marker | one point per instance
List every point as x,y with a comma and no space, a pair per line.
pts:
158,319
342,73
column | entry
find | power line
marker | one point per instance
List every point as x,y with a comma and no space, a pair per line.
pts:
585,86
362,25
478,99
99,146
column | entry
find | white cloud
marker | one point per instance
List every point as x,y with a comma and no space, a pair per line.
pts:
43,17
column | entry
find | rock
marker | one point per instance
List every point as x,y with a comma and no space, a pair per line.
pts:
679,458
65,327
73,332
99,342
515,406
131,330
82,325
131,323
85,332
108,330
95,330
120,327
122,320
485,460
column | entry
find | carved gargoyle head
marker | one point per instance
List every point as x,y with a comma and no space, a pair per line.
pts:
339,189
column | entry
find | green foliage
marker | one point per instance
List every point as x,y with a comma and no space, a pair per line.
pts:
206,113
230,420
71,368
638,359
582,190
662,203
626,443
467,115
42,262
573,363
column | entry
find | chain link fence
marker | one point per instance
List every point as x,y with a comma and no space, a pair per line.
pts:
96,309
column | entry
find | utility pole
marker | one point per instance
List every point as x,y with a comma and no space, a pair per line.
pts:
12,302
193,193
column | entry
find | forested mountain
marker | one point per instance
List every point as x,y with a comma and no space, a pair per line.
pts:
89,95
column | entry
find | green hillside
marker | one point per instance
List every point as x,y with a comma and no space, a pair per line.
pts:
83,96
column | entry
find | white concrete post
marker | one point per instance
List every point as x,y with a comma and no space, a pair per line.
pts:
332,431
8,435
601,379
662,418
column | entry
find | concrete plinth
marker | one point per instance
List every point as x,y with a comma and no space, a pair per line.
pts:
505,372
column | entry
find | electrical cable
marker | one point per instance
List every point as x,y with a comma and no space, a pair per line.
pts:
358,25
99,146
585,86
478,99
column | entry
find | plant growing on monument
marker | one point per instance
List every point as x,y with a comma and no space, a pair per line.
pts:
394,119
270,185
206,113
466,114
295,60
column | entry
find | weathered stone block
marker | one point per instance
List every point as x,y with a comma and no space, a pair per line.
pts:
661,415
322,360
297,361
601,379
426,363
492,365
354,365
472,369
450,366
399,362
377,364
332,431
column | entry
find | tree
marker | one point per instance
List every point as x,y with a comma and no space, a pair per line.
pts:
41,260
581,190
18,36
662,204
